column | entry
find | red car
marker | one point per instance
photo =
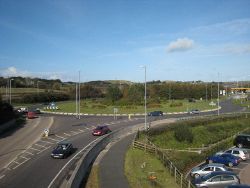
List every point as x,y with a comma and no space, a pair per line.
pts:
31,115
101,130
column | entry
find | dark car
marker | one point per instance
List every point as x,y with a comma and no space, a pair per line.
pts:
225,158
101,130
62,150
238,186
242,141
217,179
155,113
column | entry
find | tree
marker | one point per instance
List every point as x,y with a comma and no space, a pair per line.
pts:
113,94
136,93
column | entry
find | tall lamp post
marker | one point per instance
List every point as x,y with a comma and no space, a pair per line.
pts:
145,95
218,94
10,89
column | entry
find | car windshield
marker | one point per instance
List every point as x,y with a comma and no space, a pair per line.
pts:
99,128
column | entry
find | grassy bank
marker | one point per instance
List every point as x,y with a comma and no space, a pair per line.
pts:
139,165
204,132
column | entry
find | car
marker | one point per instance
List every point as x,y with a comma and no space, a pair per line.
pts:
243,154
101,130
62,150
207,168
194,111
225,158
155,113
31,115
238,186
217,179
242,141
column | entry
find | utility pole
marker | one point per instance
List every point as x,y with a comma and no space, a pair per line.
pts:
218,94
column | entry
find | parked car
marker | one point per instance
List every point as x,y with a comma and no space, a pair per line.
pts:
194,111
155,113
225,158
238,186
242,141
217,180
101,130
243,154
62,150
207,168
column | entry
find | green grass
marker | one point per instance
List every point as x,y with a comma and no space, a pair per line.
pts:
88,106
137,173
93,180
205,132
243,103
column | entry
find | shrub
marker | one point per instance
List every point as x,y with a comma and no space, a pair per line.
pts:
176,104
183,133
154,105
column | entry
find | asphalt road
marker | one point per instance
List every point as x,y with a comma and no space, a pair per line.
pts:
34,167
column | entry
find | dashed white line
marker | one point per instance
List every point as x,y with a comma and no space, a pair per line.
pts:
43,150
19,164
88,128
16,162
81,130
1,177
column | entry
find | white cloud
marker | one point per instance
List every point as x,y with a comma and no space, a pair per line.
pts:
13,71
181,44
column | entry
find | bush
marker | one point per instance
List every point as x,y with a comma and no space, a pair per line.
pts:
183,133
176,104
154,105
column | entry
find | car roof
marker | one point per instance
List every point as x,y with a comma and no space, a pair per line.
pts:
214,165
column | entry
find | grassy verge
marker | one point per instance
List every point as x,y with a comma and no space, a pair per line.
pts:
93,178
88,106
205,132
139,165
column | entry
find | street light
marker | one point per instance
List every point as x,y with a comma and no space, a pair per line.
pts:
145,95
10,89
218,94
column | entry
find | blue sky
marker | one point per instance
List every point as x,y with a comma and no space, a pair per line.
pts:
108,40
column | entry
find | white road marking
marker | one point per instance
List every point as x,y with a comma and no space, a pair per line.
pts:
16,162
46,142
25,158
81,130
1,177
35,149
67,134
40,145
29,153
59,136
51,183
88,128
75,133
54,139
20,164
43,150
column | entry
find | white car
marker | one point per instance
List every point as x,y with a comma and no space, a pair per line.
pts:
243,154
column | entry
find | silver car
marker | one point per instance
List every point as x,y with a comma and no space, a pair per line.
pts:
217,180
239,152
206,169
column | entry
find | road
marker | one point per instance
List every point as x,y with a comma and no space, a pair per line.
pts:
34,167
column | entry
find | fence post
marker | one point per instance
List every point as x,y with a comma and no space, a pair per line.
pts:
175,173
189,184
181,180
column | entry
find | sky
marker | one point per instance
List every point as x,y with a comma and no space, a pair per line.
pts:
181,40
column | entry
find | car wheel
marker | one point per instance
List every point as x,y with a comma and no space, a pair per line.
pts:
230,164
196,175
239,145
